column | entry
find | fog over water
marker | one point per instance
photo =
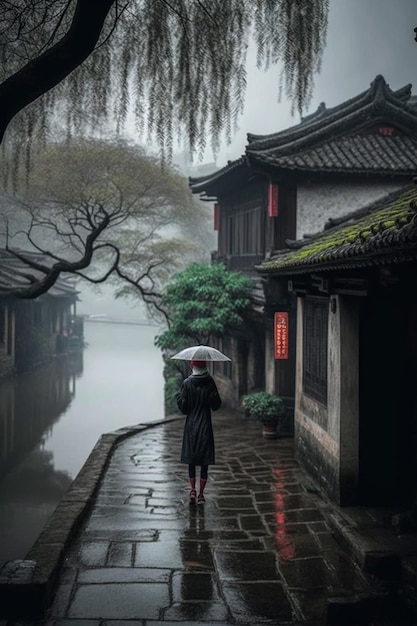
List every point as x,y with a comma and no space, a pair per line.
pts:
56,415
51,418
121,385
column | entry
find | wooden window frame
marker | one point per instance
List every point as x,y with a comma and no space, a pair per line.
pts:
315,348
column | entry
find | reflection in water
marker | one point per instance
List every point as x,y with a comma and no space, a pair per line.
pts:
31,403
36,480
196,555
51,418
283,540
30,487
195,547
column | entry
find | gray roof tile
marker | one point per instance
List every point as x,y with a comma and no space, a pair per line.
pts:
383,232
342,140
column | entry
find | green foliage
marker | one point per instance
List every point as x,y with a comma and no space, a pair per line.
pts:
174,373
203,301
171,388
176,369
265,407
176,66
395,213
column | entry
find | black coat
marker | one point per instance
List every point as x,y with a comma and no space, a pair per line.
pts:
197,398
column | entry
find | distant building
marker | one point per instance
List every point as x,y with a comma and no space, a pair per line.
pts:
188,167
30,329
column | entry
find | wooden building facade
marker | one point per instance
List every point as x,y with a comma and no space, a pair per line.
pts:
29,328
356,358
287,186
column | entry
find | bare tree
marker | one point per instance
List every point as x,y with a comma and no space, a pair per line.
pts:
178,65
102,210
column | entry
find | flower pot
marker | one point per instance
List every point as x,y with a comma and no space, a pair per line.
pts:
267,408
270,431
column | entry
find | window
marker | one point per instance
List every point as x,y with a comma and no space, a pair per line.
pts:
316,314
244,232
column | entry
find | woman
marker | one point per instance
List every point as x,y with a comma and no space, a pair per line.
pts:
197,398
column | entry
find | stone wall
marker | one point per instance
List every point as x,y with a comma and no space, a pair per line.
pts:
326,436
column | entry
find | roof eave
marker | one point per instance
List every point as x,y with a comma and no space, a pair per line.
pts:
388,257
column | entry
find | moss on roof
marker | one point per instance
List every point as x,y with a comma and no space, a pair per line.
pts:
387,227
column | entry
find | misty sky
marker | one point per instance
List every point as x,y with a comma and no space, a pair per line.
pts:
365,38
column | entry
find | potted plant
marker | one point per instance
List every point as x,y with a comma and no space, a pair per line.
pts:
267,408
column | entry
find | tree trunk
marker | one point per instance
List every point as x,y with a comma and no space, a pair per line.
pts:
52,66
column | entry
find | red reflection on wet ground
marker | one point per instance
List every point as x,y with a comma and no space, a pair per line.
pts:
286,549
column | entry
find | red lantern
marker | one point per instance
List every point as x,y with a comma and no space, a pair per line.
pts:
273,200
216,216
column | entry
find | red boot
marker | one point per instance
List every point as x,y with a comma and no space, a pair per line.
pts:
201,498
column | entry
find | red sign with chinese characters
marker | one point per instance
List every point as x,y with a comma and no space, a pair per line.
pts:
281,335
386,130
273,200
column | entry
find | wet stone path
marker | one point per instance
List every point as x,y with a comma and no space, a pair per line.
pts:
258,552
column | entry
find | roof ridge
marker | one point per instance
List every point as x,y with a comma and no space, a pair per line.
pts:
377,96
195,180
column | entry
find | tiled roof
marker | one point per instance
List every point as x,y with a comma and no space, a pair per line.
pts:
340,140
377,103
366,154
403,94
203,184
14,274
384,232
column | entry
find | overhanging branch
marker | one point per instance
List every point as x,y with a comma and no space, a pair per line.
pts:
51,274
51,67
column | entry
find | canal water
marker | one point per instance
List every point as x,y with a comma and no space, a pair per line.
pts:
51,418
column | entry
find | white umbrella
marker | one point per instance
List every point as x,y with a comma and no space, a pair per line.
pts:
201,353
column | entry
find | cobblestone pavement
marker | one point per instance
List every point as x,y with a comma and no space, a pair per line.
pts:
258,552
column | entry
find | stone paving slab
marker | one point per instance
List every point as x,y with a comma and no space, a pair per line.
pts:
260,551
250,555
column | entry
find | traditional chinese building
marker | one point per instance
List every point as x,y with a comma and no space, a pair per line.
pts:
29,327
356,359
286,186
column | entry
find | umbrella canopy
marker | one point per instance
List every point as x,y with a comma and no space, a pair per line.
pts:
201,353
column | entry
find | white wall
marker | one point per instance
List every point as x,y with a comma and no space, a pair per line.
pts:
317,202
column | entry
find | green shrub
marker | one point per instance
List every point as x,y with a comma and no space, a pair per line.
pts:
171,388
266,407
